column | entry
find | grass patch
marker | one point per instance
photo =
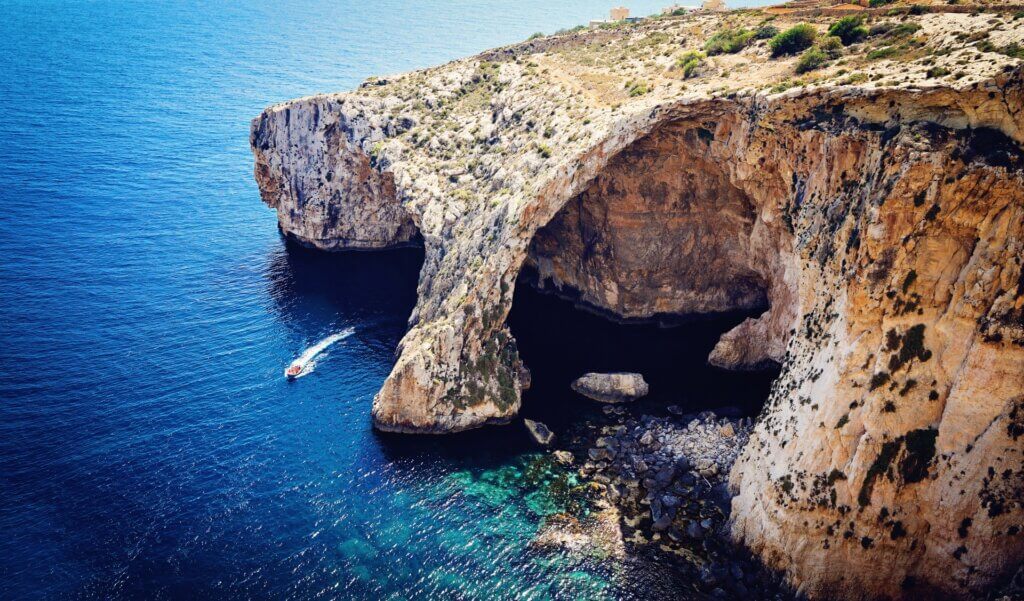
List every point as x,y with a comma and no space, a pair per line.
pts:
882,53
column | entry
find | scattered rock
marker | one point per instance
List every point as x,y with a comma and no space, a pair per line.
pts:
563,457
611,387
539,432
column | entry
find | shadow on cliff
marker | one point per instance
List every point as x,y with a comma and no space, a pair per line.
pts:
559,342
376,291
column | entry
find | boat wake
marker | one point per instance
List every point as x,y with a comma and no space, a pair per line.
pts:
305,364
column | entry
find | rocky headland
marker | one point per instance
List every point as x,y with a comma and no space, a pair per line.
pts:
863,186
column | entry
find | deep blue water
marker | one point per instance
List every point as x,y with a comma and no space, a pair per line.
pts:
149,446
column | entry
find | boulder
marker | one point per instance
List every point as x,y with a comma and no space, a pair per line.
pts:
611,387
563,457
539,432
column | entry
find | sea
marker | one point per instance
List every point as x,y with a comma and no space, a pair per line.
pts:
150,446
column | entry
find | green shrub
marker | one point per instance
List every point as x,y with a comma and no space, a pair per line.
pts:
880,53
636,88
1013,50
881,28
766,32
690,61
832,46
917,9
539,34
544,150
793,40
877,3
849,29
728,41
813,58
904,30
938,72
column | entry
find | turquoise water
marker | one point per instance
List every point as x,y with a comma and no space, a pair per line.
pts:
149,446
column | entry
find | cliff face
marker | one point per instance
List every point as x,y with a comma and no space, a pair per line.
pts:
327,191
881,226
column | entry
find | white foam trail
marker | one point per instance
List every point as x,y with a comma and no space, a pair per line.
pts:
305,360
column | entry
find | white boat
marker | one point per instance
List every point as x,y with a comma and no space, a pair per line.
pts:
305,364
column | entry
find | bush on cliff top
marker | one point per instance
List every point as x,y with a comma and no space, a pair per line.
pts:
728,41
831,46
690,62
636,88
813,58
849,29
793,40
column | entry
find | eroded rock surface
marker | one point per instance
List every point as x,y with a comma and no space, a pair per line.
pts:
611,388
876,212
539,432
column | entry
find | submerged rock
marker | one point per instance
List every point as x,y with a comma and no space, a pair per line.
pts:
612,387
540,433
596,535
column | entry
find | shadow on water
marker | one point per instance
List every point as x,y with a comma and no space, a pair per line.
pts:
559,342
347,287
375,291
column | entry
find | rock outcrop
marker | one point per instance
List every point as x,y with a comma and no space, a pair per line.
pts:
539,432
874,210
611,388
327,190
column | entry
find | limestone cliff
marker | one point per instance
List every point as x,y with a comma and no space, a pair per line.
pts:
873,207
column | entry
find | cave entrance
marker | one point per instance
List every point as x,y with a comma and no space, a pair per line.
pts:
560,341
644,271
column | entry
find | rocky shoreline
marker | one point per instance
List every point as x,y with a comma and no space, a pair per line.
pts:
660,487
